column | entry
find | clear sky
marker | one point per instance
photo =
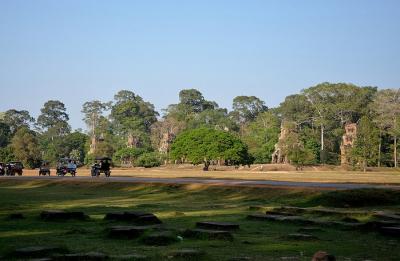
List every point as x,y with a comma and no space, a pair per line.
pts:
77,51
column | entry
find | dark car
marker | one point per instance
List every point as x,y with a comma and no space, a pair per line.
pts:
63,167
14,167
101,165
2,168
44,169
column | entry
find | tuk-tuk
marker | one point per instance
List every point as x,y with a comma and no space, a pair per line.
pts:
101,165
2,168
66,166
14,167
44,168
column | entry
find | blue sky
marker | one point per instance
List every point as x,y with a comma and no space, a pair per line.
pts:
77,51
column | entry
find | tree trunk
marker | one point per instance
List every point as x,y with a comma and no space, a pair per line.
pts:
322,154
206,165
395,151
379,147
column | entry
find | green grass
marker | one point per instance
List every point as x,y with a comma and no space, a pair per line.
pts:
179,207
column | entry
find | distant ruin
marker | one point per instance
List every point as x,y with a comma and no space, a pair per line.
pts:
133,141
347,143
279,156
165,142
93,143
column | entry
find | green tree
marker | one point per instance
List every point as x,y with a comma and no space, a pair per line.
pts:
5,134
25,145
261,135
149,160
246,108
128,155
132,116
365,148
386,107
16,119
54,118
204,145
6,154
93,111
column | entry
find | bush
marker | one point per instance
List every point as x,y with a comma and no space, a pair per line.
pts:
148,160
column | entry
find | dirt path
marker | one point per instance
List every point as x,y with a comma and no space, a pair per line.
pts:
207,181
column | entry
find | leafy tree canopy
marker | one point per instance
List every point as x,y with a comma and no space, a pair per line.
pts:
204,145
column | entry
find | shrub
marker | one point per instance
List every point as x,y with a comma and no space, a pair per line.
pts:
148,160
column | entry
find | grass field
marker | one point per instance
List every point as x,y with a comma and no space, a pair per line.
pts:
180,207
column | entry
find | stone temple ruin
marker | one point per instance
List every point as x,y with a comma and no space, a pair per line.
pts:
279,156
94,141
347,142
165,142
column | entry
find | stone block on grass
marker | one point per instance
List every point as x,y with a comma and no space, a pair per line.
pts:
37,252
187,254
208,234
217,225
160,239
61,215
300,236
126,232
390,231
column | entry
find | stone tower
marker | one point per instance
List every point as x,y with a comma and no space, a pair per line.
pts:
279,157
348,139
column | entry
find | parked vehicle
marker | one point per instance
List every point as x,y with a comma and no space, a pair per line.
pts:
66,166
44,169
14,167
2,168
101,165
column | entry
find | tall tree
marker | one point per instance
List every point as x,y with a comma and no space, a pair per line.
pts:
365,148
5,134
16,119
261,135
92,111
132,116
386,106
246,108
25,145
54,118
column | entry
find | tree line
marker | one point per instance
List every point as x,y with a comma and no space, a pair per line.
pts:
196,130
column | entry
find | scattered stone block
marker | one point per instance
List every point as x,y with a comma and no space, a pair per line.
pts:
240,258
390,231
130,257
90,256
309,229
208,234
160,239
376,225
115,216
350,220
323,256
293,219
14,216
37,251
217,225
149,219
387,216
187,254
126,232
290,258
299,236
141,218
60,215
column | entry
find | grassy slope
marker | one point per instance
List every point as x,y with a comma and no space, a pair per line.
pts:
255,239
